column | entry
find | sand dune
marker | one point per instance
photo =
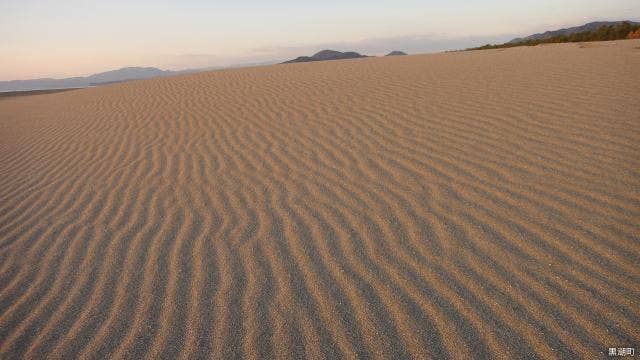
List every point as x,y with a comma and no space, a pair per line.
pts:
462,205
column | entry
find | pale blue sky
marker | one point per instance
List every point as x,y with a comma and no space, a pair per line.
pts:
76,37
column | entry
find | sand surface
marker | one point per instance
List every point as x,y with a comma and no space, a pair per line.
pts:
461,205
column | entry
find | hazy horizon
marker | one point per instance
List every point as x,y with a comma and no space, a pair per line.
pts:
52,40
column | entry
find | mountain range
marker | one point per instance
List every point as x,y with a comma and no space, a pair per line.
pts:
325,55
123,74
592,26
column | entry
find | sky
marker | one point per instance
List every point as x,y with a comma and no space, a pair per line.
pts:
62,38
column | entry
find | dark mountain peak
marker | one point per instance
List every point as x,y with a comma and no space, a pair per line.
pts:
325,55
396,53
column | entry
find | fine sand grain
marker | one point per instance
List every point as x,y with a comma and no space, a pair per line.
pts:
464,205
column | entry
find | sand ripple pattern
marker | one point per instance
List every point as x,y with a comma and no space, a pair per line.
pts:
461,205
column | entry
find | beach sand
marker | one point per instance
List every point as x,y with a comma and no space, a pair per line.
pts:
481,204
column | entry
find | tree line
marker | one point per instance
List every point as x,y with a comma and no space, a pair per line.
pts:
625,30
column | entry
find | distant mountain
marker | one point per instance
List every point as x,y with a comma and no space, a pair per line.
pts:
596,31
127,73
396,53
42,84
593,26
325,55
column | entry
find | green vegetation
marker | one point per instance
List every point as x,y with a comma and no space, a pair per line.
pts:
621,31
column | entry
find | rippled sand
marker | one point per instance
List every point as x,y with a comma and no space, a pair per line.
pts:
461,205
